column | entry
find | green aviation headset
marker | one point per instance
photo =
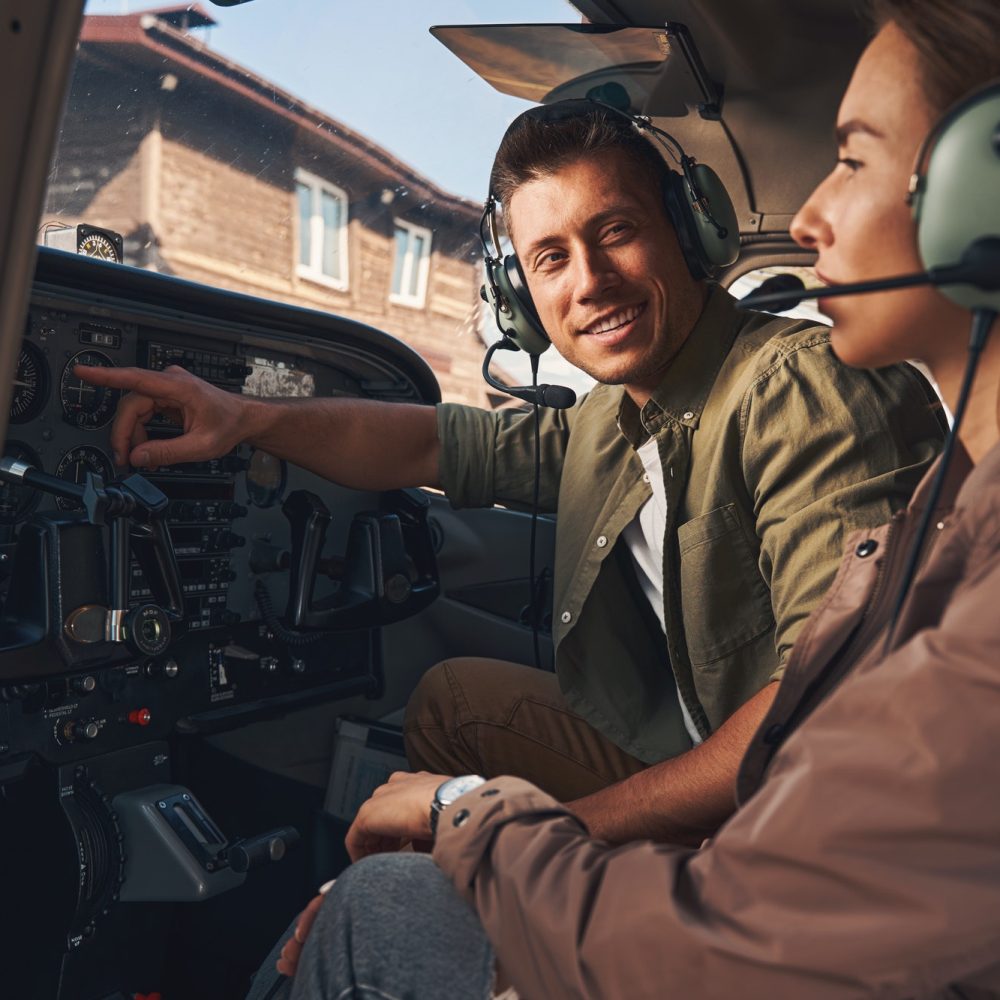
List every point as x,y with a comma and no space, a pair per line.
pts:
696,201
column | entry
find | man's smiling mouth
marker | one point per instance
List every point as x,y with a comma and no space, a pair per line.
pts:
616,320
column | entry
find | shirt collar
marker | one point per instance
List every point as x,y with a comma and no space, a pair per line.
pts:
685,387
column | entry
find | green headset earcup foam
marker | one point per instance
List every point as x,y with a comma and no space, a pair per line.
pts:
958,201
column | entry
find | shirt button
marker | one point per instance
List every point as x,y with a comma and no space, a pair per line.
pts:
866,548
566,617
645,477
688,415
602,541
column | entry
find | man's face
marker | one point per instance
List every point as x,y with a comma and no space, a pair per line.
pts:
605,270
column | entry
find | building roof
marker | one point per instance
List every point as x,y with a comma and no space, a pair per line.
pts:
153,38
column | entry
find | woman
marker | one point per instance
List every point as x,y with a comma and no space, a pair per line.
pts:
865,859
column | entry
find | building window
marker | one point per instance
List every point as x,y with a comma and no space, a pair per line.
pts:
322,230
411,264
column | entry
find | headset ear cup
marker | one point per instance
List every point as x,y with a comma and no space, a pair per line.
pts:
720,249
958,198
520,322
705,251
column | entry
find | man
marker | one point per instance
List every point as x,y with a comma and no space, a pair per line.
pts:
704,490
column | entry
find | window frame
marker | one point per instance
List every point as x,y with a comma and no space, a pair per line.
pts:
418,300
313,271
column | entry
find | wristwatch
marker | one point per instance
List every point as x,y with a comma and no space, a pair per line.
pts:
450,790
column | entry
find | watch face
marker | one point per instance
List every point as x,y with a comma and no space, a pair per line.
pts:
98,245
457,787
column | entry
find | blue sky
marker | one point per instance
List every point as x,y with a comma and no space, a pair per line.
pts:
373,65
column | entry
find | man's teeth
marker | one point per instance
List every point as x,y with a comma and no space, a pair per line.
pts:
619,319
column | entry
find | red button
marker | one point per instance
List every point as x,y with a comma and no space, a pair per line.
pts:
140,716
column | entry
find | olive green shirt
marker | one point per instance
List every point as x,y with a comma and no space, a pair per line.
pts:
773,452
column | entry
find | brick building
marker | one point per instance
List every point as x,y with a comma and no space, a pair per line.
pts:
214,174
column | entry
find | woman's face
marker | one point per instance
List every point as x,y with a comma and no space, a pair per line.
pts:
858,220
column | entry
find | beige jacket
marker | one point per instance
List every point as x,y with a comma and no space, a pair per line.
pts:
865,859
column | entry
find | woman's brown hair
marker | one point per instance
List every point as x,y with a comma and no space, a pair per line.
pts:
958,42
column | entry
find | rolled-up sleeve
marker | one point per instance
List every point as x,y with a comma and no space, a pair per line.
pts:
488,457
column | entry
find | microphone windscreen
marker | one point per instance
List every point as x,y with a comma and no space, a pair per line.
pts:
559,397
785,285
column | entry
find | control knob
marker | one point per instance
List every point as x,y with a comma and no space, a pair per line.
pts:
83,685
75,730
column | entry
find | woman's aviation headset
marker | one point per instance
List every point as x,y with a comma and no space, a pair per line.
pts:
696,201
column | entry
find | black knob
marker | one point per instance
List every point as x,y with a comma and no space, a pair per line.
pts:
78,730
83,685
256,851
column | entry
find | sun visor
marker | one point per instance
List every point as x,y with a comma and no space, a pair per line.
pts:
658,67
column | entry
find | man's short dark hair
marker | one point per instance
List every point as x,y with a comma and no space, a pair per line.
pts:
542,141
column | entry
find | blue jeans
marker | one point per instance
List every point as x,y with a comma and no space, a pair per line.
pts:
391,928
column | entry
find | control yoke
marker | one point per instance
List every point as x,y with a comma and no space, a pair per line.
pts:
389,571
134,510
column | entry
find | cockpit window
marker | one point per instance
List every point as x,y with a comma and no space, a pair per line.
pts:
326,155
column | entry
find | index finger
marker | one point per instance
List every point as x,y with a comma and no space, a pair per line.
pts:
138,380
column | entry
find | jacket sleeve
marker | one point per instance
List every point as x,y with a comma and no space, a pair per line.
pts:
488,457
866,866
827,450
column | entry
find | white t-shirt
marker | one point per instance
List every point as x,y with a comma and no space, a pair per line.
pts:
644,538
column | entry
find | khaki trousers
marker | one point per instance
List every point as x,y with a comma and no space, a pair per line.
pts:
490,717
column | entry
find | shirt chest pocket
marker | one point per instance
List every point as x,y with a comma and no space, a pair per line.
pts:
724,600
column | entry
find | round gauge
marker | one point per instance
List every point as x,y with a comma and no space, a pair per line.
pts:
18,500
75,465
266,478
31,385
84,405
98,245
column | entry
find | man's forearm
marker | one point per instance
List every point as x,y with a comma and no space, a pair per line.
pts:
681,800
358,443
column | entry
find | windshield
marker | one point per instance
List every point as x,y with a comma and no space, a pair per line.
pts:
328,155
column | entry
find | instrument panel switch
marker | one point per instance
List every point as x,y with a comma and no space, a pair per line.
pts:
140,717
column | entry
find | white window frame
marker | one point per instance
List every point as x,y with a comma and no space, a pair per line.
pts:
314,269
424,265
